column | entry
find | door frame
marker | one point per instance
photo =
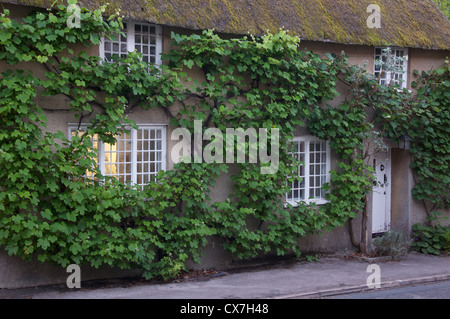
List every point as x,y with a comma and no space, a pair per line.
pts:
388,190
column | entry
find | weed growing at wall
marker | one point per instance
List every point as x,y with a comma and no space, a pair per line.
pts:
431,238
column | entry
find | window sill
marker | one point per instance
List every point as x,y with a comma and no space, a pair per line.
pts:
318,202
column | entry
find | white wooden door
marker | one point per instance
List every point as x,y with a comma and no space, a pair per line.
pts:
381,200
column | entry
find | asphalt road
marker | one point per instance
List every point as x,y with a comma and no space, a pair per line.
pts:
439,290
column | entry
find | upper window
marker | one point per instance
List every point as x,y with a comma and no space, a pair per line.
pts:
143,37
314,172
136,157
391,66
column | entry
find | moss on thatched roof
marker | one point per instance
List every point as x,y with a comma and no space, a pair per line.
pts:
405,23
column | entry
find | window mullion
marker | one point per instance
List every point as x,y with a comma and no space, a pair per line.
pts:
159,37
297,153
101,155
307,169
163,149
328,163
134,156
130,37
101,49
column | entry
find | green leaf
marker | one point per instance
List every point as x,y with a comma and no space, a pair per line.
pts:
43,243
189,63
47,214
4,35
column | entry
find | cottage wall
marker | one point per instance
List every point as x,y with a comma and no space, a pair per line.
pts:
405,211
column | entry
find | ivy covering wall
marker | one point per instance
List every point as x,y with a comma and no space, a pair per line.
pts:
50,211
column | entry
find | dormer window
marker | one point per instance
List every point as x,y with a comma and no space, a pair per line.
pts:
145,38
391,66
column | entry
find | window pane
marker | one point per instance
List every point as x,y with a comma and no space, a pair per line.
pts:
301,171
297,192
117,158
149,154
118,45
315,175
393,68
145,42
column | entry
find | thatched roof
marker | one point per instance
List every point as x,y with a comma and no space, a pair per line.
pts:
405,23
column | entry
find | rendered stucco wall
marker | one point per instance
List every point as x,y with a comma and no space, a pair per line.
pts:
15,273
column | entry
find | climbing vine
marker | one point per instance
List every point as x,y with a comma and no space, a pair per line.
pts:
50,209
423,117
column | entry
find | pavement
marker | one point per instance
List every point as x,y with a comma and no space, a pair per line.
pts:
331,275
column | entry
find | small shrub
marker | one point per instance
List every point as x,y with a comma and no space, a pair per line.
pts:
430,239
447,240
392,243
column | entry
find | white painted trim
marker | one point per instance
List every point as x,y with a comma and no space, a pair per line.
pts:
101,159
134,155
130,36
101,49
307,139
159,44
388,190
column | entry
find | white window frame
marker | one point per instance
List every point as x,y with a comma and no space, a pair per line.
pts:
134,150
319,201
389,74
130,33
